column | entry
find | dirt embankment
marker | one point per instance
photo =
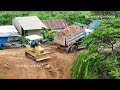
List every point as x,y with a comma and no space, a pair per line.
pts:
14,64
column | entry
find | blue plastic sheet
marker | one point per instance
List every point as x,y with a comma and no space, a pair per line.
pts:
0,45
3,40
45,40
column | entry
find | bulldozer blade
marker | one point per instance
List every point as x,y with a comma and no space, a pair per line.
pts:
36,57
44,58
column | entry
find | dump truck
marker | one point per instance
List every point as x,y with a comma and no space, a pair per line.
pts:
70,43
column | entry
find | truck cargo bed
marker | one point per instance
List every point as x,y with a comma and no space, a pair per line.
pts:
68,40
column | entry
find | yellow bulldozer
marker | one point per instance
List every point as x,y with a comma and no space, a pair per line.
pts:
37,54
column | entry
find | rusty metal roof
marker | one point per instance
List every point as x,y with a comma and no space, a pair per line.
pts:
57,24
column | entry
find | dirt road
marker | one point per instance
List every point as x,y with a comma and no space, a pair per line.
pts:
14,64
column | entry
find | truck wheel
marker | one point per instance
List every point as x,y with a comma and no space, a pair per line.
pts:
73,48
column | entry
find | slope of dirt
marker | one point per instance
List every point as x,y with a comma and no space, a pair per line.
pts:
14,64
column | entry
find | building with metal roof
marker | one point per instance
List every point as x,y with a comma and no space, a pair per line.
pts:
7,33
28,24
57,24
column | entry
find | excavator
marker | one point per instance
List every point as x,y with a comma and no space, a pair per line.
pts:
37,54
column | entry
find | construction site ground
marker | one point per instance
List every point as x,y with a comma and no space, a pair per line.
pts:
14,64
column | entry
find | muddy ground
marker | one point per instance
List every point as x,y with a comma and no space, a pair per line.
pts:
14,64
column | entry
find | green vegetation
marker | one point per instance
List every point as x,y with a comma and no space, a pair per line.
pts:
84,66
71,16
105,13
1,77
94,63
2,48
23,40
7,16
48,33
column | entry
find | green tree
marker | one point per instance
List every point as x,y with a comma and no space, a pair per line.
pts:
116,14
23,40
90,63
70,16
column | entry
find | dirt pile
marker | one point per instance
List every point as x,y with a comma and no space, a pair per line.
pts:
69,30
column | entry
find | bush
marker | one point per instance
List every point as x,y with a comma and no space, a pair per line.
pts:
87,66
84,66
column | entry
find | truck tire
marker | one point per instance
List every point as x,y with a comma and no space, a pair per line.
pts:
73,48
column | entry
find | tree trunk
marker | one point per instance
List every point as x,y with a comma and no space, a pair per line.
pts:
112,46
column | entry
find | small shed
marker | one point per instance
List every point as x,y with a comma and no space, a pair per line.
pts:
57,24
29,24
8,33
